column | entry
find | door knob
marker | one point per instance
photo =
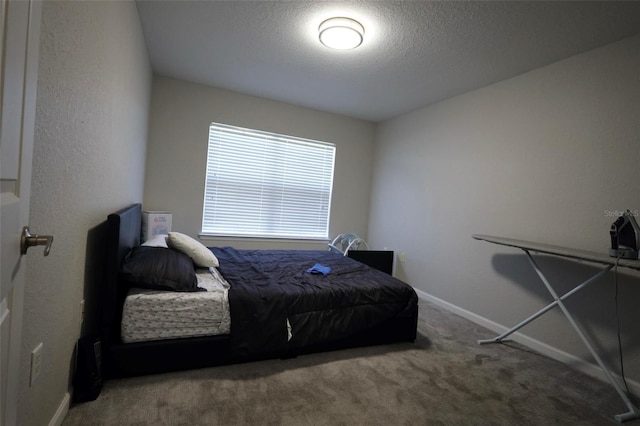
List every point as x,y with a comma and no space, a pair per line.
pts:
27,240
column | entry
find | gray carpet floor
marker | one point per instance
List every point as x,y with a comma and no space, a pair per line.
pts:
444,378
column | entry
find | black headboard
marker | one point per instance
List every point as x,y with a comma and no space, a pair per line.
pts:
123,233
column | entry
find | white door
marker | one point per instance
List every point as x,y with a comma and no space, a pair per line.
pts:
20,40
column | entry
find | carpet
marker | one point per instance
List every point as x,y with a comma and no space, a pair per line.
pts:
444,378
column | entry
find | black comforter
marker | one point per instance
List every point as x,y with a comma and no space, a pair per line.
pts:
272,290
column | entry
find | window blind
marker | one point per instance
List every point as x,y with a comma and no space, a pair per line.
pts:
261,184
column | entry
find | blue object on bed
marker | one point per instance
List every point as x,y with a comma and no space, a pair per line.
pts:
319,269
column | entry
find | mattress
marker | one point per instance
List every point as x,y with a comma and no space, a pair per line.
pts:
157,315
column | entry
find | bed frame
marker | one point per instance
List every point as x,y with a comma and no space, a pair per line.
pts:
131,359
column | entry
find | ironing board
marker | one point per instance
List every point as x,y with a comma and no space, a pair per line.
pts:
580,255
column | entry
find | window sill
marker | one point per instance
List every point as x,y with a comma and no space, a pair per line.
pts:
275,240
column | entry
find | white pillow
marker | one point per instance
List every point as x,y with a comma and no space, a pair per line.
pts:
159,240
201,255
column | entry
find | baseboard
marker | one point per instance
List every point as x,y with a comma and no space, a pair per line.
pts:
61,412
579,364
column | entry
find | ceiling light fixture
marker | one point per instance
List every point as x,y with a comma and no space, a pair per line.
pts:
341,33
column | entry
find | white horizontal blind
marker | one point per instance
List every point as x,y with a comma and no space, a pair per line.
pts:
266,185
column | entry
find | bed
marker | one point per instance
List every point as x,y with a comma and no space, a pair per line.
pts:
277,307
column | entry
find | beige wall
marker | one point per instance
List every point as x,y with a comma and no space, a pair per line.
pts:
539,157
91,128
176,156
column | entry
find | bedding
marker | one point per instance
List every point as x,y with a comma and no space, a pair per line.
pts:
155,315
159,268
156,241
273,288
193,248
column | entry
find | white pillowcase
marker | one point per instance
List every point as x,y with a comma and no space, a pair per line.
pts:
157,241
201,255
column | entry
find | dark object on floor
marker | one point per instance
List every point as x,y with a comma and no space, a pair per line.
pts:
87,380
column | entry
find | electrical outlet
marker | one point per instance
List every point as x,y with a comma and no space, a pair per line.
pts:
402,257
36,363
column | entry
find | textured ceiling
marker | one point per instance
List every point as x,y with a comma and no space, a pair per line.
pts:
414,52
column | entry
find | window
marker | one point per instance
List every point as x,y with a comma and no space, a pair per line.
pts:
262,184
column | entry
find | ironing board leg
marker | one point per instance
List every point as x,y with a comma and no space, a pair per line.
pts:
633,413
551,305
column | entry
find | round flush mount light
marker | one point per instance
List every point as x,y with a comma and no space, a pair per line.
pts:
341,33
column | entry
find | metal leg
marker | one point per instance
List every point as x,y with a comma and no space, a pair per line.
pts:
633,413
551,305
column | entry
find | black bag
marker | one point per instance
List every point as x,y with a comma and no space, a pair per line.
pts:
87,381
